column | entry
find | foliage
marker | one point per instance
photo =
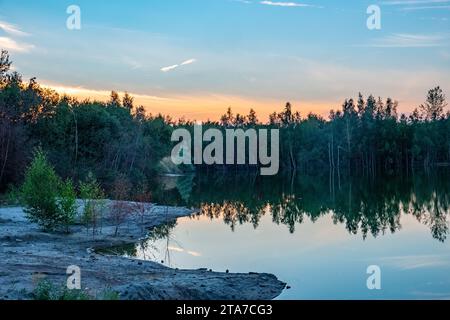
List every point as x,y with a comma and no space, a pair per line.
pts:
92,195
67,203
433,109
12,197
47,291
49,202
109,295
366,135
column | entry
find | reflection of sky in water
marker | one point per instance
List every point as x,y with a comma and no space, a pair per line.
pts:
319,261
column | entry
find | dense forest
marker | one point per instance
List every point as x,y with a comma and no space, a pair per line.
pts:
79,137
118,139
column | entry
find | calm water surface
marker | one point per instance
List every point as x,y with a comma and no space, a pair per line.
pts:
317,234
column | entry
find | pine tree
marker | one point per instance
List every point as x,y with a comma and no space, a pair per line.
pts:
127,101
114,99
252,119
48,201
433,109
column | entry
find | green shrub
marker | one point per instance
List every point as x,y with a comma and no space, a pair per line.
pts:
67,204
109,295
12,196
40,191
46,291
92,195
48,201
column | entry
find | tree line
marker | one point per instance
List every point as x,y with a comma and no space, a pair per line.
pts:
367,135
118,139
79,138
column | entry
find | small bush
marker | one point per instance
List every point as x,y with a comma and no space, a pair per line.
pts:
67,204
13,196
48,201
109,295
46,291
92,195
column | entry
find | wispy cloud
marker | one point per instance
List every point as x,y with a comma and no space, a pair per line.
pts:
8,43
242,1
412,2
14,46
12,29
409,5
434,18
175,66
403,40
190,61
169,68
287,4
426,8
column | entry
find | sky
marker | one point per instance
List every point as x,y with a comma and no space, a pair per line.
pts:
196,58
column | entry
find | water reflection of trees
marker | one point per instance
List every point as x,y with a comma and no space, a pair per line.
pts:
364,207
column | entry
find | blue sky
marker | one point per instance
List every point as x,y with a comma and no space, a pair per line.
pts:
194,58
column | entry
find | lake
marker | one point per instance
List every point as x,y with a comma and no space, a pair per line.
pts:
318,234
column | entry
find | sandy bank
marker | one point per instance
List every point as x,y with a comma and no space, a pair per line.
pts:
27,255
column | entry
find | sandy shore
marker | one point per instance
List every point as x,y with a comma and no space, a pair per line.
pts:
28,255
